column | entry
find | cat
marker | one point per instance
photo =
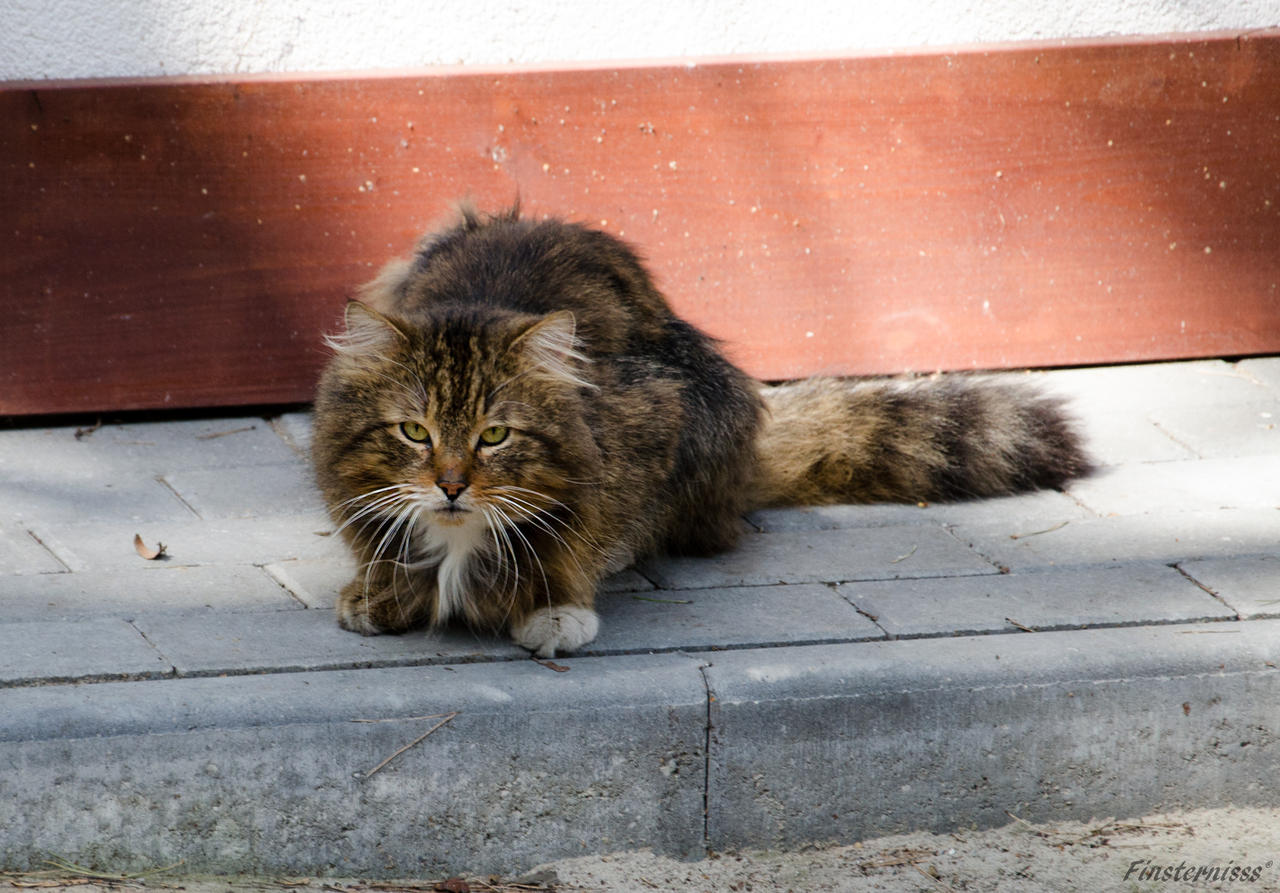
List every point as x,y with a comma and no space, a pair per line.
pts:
515,412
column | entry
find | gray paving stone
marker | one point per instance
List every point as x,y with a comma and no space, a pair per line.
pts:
51,455
295,428
1140,389
1265,370
1042,507
230,541
629,580
958,732
57,494
32,653
305,640
1250,586
1117,438
1167,537
1249,482
700,619
1057,600
1248,429
206,443
823,556
21,554
315,581
250,491
129,593
271,774
155,447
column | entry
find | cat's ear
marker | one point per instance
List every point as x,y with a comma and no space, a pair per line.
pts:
368,333
551,348
383,293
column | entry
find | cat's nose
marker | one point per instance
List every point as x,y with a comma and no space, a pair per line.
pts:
451,487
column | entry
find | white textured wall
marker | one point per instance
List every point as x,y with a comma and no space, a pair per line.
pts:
102,38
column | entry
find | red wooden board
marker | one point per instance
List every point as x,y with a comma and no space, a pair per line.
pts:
184,243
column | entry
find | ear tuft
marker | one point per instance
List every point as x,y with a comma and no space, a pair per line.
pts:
552,348
368,333
471,219
384,293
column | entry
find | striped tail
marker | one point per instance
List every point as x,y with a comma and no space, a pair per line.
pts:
828,440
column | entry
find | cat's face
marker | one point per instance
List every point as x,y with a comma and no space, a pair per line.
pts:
444,434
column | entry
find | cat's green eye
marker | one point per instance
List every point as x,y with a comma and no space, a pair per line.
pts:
494,435
415,432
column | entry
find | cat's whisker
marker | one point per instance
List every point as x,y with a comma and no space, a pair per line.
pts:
510,570
365,505
383,521
533,554
360,496
397,522
511,489
368,516
540,517
537,520
402,565
386,526
501,527
376,506
511,567
371,564
528,504
410,538
404,562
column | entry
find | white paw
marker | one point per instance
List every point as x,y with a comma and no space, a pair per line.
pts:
548,630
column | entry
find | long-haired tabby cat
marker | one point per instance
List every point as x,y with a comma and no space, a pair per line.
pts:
515,413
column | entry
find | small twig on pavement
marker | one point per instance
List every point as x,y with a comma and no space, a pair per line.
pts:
82,433
217,434
1022,821
64,882
905,557
1022,536
897,858
662,601
407,718
81,871
1025,629
940,884
416,741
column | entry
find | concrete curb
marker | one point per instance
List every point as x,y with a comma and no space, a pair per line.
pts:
271,774
843,743
679,753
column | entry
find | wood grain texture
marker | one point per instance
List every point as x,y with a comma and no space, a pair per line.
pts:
180,243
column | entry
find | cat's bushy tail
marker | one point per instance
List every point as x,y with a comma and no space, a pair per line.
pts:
828,440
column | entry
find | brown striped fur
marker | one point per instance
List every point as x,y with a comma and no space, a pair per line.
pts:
626,433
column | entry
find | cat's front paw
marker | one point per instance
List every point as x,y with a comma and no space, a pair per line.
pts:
353,612
563,628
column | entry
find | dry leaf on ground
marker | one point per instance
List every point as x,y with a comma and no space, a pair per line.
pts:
145,551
